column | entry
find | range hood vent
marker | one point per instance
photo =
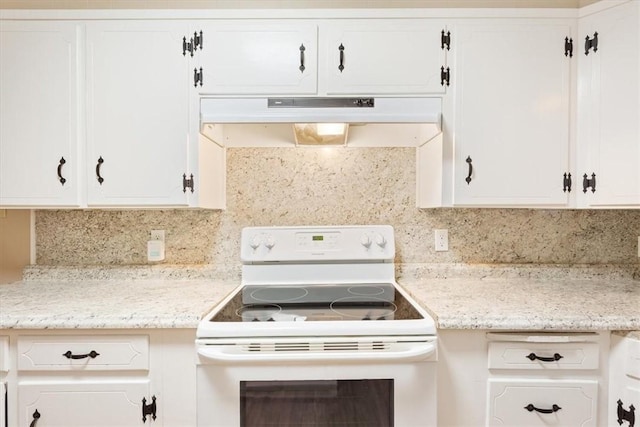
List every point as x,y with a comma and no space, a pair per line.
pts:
368,121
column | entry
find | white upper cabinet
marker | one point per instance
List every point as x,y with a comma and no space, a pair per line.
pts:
266,57
356,56
39,136
388,56
507,118
609,107
137,114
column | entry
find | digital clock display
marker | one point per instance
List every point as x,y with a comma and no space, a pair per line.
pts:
317,238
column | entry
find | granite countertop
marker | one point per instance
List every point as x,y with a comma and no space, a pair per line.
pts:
144,298
529,304
110,298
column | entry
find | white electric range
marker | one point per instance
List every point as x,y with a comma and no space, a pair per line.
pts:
318,333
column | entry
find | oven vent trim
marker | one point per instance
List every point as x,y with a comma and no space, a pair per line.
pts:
316,347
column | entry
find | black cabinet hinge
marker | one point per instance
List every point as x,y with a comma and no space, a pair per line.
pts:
445,74
589,183
568,47
148,409
197,77
566,183
445,40
624,415
187,46
187,183
198,40
193,44
591,43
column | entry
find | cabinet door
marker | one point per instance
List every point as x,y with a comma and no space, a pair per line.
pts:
82,403
137,113
624,379
39,114
609,107
383,57
542,403
512,116
3,404
258,58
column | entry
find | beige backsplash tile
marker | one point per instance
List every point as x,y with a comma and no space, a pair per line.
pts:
302,186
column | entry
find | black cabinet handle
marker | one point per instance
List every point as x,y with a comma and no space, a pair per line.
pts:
341,49
468,178
98,166
554,408
92,354
554,358
302,49
60,177
36,417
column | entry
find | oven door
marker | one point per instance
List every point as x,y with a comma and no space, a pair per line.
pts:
374,381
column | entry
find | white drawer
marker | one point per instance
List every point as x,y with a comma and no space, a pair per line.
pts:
632,362
542,403
80,353
526,355
4,354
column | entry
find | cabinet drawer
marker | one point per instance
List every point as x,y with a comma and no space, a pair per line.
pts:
79,353
542,403
4,354
632,363
525,355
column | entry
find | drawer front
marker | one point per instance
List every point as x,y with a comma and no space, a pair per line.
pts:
83,353
4,354
542,403
632,362
524,355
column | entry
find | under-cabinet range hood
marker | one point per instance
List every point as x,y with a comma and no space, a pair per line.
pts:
321,121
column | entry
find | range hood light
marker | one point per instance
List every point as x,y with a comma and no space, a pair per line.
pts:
331,129
320,133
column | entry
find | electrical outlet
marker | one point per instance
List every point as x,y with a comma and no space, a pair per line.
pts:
157,235
442,240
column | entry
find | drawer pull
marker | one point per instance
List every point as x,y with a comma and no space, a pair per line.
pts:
36,417
92,354
554,408
555,358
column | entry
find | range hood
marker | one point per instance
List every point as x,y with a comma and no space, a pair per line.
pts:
418,119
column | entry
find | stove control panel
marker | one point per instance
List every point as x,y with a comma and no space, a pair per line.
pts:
300,244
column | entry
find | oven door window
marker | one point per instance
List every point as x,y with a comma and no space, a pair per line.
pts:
366,403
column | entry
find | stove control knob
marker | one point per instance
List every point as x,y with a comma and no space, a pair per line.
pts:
380,240
255,242
270,242
365,241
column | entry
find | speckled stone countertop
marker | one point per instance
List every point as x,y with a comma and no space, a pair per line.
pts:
458,298
527,297
111,298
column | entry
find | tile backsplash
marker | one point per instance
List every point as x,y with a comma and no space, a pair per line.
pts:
303,186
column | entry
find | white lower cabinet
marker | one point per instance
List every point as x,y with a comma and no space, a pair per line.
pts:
87,379
98,378
522,379
4,368
515,402
82,403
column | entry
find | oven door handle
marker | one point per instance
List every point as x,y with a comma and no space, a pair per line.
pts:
229,354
